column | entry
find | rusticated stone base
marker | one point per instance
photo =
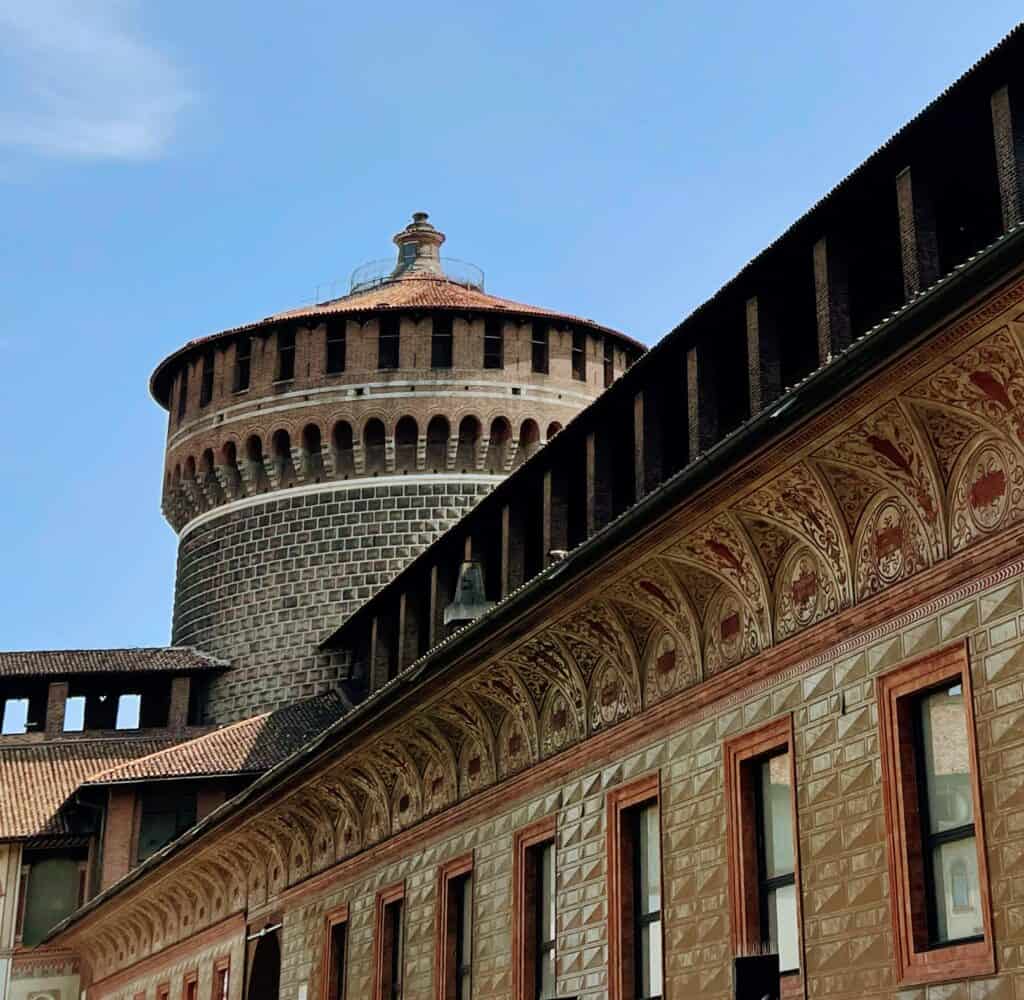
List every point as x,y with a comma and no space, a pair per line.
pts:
261,582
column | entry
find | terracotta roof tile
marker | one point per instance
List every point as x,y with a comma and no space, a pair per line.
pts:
59,662
420,291
250,746
37,779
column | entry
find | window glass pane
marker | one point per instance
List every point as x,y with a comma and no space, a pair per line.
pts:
128,711
650,959
467,920
957,898
946,759
778,816
547,882
52,894
782,927
650,861
74,714
15,715
547,976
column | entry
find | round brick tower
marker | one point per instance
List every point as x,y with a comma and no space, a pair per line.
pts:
310,455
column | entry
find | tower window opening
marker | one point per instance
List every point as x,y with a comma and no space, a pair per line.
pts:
539,348
438,433
406,442
343,448
285,355
206,386
579,356
388,343
243,364
497,450
494,343
336,348
374,447
468,442
183,393
441,342
609,362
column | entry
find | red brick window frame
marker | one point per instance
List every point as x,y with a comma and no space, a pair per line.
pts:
221,987
528,843
190,985
335,959
743,756
141,995
623,805
388,943
901,694
454,930
163,991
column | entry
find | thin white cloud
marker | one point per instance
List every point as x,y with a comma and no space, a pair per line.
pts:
77,80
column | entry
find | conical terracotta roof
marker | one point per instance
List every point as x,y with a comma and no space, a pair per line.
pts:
402,289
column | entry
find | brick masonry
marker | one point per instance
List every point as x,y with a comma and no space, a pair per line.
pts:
261,585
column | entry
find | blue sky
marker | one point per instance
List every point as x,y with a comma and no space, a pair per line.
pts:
168,170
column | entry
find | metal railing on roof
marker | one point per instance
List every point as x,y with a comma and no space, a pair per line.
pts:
378,272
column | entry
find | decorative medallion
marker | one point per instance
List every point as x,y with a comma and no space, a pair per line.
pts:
892,546
989,494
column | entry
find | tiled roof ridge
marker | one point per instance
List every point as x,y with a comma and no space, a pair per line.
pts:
112,659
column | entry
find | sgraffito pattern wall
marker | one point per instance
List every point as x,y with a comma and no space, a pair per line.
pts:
846,924
263,584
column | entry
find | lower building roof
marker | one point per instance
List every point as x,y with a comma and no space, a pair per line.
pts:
37,780
251,746
137,660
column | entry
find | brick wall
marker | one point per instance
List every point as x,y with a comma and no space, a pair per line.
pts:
118,835
262,585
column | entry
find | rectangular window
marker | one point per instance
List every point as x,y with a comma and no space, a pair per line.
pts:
388,342
183,393
454,969
609,362
539,348
129,707
938,870
206,386
335,955
761,809
533,906
579,355
336,348
494,343
74,714
441,340
634,891
389,944
243,364
163,991
190,986
15,716
19,920
164,816
285,355
221,979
